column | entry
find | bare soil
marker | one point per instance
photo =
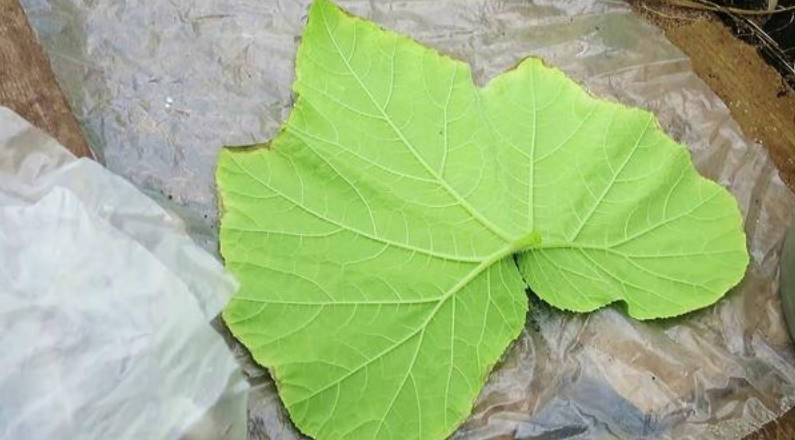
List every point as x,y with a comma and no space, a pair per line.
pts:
756,94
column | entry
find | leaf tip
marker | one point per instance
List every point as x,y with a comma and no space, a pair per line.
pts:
321,7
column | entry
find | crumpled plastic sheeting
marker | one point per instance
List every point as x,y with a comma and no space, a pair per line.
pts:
162,84
105,306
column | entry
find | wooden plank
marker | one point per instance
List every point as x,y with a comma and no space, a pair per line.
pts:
28,85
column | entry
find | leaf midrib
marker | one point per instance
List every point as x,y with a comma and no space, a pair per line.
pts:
453,193
383,240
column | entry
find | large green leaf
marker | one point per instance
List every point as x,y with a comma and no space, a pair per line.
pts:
375,237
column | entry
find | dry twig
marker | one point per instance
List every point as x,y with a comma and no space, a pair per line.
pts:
709,6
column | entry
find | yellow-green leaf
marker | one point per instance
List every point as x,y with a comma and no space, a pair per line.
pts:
383,238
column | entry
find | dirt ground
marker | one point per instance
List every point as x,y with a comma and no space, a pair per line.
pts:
759,99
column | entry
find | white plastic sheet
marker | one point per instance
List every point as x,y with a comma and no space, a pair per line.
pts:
105,306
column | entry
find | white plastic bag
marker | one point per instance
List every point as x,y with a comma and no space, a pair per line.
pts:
105,306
